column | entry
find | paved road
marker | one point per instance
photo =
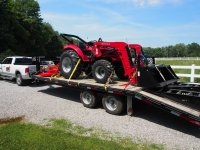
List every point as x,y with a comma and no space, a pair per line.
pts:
148,124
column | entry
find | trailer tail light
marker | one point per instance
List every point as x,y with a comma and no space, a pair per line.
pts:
26,70
190,120
116,92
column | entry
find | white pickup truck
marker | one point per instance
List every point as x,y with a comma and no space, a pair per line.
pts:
17,67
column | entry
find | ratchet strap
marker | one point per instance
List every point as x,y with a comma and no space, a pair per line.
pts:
79,60
108,81
55,76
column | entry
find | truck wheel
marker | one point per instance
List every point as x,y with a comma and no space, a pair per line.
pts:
88,99
68,62
19,80
120,73
101,70
113,104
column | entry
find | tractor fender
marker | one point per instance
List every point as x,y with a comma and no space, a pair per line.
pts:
77,50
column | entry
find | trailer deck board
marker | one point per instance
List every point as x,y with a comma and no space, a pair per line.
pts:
129,90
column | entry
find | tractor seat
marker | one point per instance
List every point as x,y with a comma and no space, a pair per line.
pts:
82,46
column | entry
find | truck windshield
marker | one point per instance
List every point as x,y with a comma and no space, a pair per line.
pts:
23,61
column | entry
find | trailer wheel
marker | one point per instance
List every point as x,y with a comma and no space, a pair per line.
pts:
101,70
19,79
88,99
120,73
113,104
68,62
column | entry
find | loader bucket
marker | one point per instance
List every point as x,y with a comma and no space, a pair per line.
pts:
156,76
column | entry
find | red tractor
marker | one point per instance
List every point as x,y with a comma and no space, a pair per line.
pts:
101,59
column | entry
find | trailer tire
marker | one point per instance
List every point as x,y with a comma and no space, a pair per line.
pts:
120,73
113,104
101,70
19,80
68,61
88,99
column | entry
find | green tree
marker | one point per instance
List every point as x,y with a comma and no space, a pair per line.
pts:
7,18
23,31
181,50
28,32
193,49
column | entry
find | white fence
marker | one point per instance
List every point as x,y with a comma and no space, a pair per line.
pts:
178,58
192,76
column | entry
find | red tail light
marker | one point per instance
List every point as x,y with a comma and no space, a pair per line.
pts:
26,70
190,120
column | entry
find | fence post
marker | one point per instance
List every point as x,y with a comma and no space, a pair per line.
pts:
192,73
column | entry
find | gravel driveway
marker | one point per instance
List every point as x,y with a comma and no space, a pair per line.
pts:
147,124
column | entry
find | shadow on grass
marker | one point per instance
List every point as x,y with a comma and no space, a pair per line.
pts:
140,109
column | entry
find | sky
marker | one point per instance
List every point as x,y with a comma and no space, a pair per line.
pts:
151,23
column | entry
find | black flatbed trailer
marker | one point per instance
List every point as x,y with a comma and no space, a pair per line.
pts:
118,89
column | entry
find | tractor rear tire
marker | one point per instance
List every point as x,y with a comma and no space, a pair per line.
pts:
120,73
68,61
102,70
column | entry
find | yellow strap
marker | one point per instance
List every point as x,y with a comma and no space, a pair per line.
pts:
52,76
74,69
107,82
55,76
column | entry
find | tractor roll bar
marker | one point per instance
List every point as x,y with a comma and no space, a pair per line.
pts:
70,35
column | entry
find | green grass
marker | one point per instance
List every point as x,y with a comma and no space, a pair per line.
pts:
179,62
62,134
182,63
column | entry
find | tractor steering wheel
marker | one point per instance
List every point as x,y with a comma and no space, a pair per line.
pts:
91,43
99,40
142,60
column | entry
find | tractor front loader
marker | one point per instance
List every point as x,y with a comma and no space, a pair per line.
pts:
101,59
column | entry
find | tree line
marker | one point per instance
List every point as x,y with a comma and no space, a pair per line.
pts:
23,32
178,50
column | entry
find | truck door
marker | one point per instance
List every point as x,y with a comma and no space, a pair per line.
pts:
6,67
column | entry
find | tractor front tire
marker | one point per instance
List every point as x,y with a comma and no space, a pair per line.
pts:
68,61
102,70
